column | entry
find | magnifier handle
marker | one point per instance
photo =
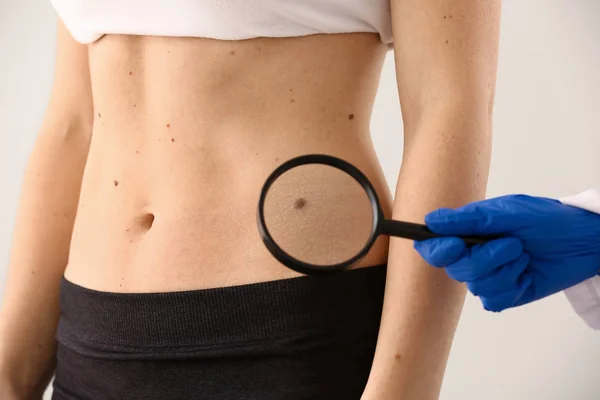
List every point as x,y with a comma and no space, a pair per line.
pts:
473,240
407,230
417,232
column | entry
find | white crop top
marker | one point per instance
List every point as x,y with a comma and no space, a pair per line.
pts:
88,20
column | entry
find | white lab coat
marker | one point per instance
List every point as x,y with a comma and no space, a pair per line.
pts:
585,297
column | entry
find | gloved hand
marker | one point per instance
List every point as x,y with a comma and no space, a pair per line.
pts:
545,247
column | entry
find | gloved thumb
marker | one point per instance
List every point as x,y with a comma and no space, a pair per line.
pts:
493,216
440,252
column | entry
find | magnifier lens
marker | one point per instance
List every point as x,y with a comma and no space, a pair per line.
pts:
318,214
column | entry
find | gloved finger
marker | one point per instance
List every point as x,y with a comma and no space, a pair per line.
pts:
440,252
509,298
542,289
480,260
500,280
492,216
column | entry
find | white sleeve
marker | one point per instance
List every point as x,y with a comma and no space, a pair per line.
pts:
585,297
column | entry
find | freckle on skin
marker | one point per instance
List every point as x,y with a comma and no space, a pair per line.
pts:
446,41
130,73
168,125
232,52
134,105
398,356
99,116
137,152
292,101
116,183
351,116
173,140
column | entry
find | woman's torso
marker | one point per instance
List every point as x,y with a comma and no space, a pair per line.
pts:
187,129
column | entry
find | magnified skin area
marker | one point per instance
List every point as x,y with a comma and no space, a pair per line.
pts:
308,211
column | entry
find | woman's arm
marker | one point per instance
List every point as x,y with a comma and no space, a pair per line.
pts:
44,222
446,58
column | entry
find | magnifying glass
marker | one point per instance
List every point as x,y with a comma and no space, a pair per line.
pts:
320,214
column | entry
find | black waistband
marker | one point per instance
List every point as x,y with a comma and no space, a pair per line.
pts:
219,316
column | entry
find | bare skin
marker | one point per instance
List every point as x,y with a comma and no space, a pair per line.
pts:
177,136
190,142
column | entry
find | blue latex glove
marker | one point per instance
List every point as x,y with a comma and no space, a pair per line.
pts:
545,247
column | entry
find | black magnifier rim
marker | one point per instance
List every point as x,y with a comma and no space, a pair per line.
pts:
292,262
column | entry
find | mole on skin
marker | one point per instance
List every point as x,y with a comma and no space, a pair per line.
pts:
299,203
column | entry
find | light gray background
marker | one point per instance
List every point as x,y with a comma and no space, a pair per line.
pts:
546,142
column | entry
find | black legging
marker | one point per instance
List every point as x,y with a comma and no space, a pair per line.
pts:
292,339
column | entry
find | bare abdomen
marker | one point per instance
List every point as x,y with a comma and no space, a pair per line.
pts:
186,131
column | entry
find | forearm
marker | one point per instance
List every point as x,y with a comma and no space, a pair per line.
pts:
7,392
446,165
39,254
